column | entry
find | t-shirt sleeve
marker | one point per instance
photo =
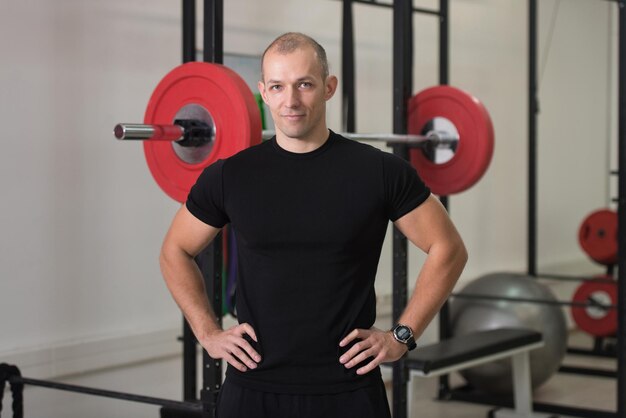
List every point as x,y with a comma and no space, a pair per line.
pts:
206,197
404,190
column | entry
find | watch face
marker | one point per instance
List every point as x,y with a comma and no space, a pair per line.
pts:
403,333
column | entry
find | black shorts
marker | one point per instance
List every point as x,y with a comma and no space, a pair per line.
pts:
238,402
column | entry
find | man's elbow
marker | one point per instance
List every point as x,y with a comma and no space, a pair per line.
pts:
460,253
167,255
163,258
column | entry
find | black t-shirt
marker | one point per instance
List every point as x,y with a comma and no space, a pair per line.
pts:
309,231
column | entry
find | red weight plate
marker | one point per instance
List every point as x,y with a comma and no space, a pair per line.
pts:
598,236
220,92
476,138
596,320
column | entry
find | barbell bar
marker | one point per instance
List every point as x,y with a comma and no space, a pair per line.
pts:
449,131
178,133
575,303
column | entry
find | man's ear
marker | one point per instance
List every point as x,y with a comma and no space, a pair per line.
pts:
330,86
261,87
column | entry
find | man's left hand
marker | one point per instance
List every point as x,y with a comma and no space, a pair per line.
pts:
376,344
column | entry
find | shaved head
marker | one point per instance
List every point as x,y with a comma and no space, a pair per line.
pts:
291,41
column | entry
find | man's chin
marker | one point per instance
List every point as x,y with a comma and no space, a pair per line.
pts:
294,134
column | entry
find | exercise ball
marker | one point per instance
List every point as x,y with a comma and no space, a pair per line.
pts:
470,315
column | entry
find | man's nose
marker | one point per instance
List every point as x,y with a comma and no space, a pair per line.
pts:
293,97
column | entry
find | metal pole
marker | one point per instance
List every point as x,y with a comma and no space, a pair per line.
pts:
444,72
621,304
189,30
402,89
443,62
212,266
178,133
190,389
214,31
347,69
533,109
444,43
182,407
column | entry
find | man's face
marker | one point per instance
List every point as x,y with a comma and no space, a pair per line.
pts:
296,93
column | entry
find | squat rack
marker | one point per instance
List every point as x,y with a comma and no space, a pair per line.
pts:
402,90
210,260
533,110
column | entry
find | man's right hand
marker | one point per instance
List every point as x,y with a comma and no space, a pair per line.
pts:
231,346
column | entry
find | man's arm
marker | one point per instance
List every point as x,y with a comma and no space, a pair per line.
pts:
432,231
185,239
429,228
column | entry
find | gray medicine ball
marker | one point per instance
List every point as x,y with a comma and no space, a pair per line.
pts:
469,315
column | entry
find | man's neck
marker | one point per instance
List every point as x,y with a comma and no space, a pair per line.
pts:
303,145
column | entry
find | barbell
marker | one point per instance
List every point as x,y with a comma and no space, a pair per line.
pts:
202,133
201,112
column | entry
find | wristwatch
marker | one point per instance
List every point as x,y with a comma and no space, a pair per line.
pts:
404,335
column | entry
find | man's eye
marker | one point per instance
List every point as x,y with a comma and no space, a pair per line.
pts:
305,84
275,87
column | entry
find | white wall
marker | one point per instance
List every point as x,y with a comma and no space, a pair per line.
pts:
82,219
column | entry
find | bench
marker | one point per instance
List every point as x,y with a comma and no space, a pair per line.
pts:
481,347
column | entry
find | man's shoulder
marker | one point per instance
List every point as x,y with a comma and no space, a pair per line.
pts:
252,152
361,148
367,153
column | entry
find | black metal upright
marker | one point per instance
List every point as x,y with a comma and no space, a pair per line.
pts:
190,390
402,90
212,267
443,59
444,42
189,30
444,77
533,109
210,263
214,31
621,210
347,69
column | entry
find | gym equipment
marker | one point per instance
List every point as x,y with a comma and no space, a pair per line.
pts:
476,314
208,95
11,375
202,112
446,109
597,236
201,133
483,347
600,317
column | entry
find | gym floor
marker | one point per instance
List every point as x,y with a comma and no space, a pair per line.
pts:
162,378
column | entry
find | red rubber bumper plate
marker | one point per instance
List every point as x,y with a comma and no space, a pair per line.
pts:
476,138
215,90
596,319
598,236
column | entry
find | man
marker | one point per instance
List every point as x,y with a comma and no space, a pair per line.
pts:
310,209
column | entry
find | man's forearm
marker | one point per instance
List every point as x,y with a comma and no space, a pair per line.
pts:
185,283
440,271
